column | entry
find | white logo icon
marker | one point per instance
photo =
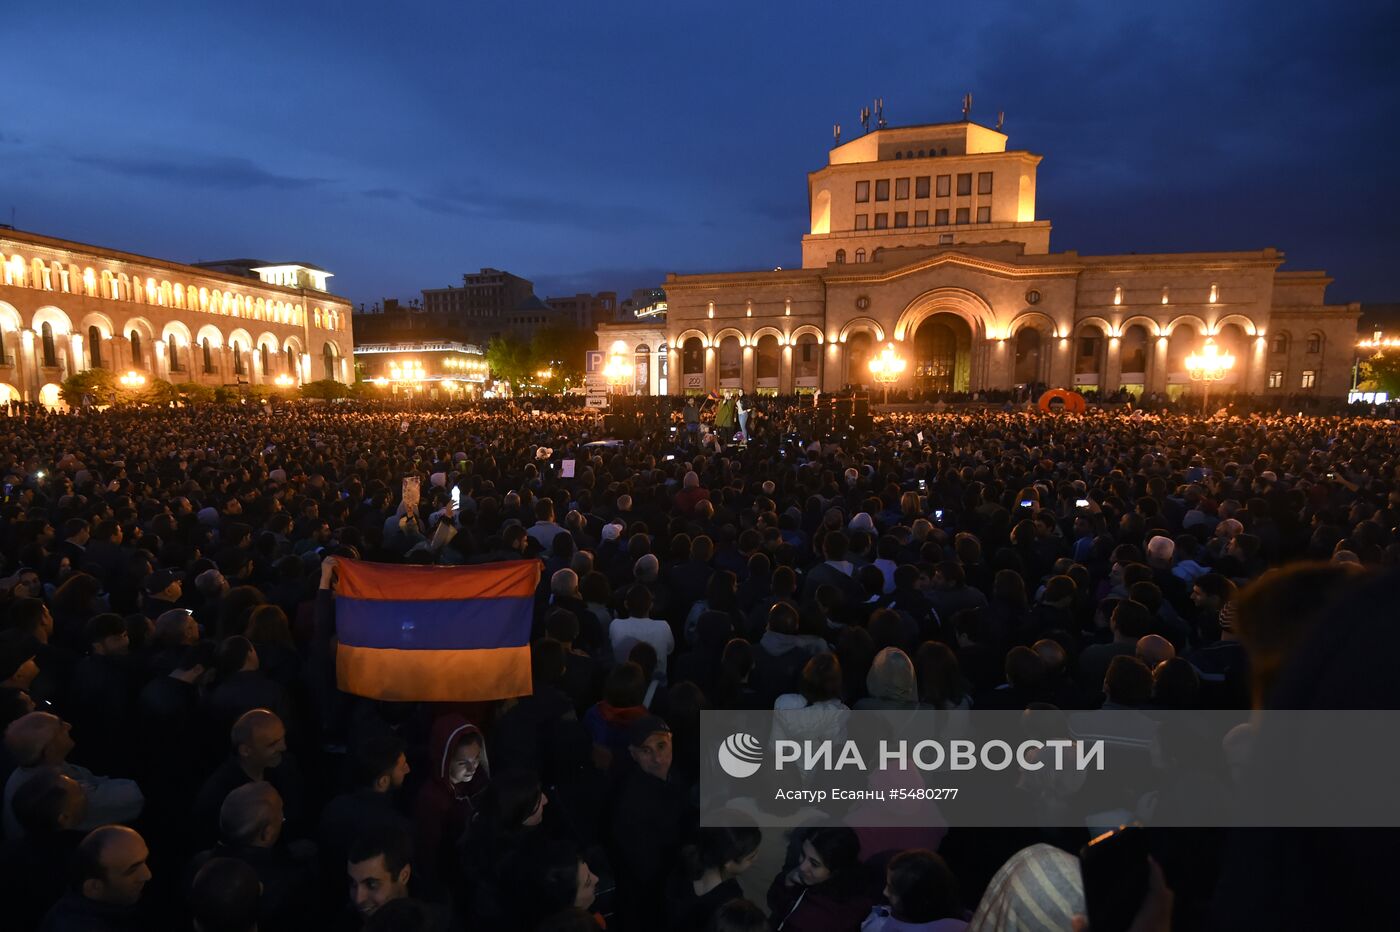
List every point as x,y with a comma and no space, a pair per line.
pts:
740,755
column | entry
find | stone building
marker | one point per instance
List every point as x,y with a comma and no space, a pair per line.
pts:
926,237
66,307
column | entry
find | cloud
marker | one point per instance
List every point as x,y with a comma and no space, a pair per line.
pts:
477,203
222,173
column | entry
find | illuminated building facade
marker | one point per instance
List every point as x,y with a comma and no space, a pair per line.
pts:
927,237
66,307
423,367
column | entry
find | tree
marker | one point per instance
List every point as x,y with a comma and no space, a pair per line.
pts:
99,384
1381,373
563,349
325,389
511,360
193,393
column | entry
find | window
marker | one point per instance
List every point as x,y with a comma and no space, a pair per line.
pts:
920,218
940,217
901,189
237,359
266,362
964,184
882,190
208,356
135,339
860,255
173,352
1309,378
945,239
862,221
984,215
899,155
840,257
50,352
921,186
95,346
1276,378
963,214
943,185
862,192
984,182
1314,343
882,221
1279,344
901,218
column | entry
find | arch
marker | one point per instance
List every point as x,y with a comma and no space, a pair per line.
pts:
765,331
1136,342
1244,323
860,324
179,295
9,393
1185,319
768,354
166,295
258,308
266,339
178,330
99,320
1036,319
293,344
9,317
48,348
1154,329
939,351
858,352
94,346
804,330
109,286
208,352
1103,326
54,317
39,275
1279,342
236,350
860,255
172,352
687,334
140,324
730,332
692,354
840,257
212,334
1315,342
729,360
806,356
89,282
966,304
329,355
1028,346
49,397
242,336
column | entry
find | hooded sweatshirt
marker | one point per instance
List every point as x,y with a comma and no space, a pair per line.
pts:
444,809
891,683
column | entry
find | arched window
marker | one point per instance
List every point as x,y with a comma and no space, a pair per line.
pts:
287,356
1279,344
1314,342
860,255
3,360
840,257
50,353
208,356
266,360
328,360
95,346
135,339
173,353
237,358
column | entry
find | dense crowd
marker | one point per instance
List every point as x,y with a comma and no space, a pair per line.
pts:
177,753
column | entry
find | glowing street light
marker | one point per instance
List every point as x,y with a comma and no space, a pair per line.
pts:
887,368
617,371
1209,365
283,381
131,379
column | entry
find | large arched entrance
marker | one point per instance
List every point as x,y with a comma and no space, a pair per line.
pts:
859,351
1028,348
942,354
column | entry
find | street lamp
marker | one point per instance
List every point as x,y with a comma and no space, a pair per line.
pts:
283,381
1209,365
887,368
132,379
616,371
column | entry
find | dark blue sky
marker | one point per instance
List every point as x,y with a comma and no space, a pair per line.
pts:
600,145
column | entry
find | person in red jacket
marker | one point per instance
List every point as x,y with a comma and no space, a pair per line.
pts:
828,890
446,804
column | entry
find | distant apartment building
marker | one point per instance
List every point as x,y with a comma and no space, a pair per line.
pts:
585,311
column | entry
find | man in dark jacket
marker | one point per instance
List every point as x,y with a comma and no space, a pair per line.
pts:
653,818
259,753
176,750
109,873
379,770
101,697
34,867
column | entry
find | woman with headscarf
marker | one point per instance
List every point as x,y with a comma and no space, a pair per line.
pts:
891,685
447,802
1039,888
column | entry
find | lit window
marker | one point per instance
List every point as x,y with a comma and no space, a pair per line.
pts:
860,255
1276,378
1309,378
984,182
862,192
944,181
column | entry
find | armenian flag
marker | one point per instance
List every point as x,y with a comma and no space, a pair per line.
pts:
434,633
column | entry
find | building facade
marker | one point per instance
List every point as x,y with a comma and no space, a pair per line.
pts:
424,367
926,237
66,307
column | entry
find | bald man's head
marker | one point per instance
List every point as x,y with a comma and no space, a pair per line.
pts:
38,738
1051,653
110,866
49,801
251,816
1153,649
259,740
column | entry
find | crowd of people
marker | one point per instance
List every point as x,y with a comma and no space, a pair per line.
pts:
177,754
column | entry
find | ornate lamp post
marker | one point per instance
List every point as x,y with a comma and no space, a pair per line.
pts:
616,372
887,368
131,380
1209,365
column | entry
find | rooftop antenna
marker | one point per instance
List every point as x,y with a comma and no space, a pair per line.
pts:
836,134
967,105
865,119
879,113
1001,119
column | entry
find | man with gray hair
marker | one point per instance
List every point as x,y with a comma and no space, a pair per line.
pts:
1161,559
41,739
564,594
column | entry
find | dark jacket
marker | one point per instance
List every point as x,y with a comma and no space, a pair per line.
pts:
34,875
75,913
819,908
443,810
288,885
652,820
100,701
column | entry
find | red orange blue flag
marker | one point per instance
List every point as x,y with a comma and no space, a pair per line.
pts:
434,633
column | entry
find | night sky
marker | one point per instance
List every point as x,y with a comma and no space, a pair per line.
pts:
592,146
